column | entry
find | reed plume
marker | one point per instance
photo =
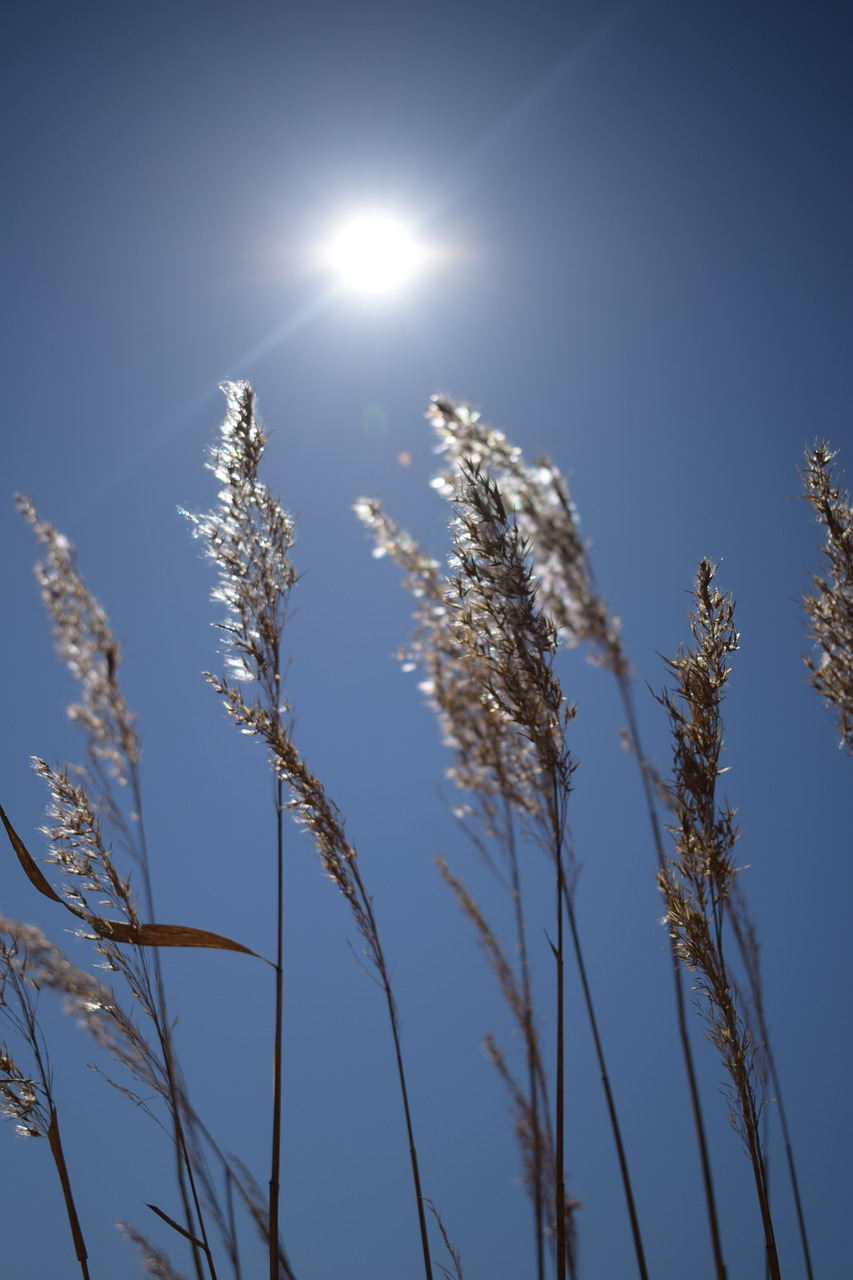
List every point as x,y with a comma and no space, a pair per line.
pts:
829,608
499,629
547,519
87,645
248,538
697,880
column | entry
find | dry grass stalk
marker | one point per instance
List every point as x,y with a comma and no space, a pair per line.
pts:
497,602
77,847
493,766
544,510
697,880
87,644
249,538
511,644
746,936
829,608
533,1124
97,1009
538,1153
28,1100
544,513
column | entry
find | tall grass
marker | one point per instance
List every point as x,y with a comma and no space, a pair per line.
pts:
488,627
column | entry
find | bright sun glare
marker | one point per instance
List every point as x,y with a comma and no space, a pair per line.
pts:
374,253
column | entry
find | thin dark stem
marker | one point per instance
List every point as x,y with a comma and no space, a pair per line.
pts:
533,1083
753,1144
608,1092
764,1204
791,1167
232,1224
275,1174
195,1196
749,952
379,960
765,1145
183,1161
560,1083
681,1009
416,1176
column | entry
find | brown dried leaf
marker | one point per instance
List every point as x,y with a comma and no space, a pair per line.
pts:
141,935
61,1168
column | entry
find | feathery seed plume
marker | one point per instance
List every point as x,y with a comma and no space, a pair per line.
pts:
829,608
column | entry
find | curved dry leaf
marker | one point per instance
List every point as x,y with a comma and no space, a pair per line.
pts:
62,1169
141,935
29,864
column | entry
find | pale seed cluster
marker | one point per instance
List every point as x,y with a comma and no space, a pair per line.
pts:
248,537
25,1100
86,643
490,762
538,497
498,627
829,608
698,877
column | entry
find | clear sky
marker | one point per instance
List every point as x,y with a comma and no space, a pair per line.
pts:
639,217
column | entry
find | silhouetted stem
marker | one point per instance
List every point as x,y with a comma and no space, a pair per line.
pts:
681,1011
766,1216
560,1083
183,1161
608,1092
791,1167
232,1224
416,1176
275,1174
749,952
398,1052
530,1042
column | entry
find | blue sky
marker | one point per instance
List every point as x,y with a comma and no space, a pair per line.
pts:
643,212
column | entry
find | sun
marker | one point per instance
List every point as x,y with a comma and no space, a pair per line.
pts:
374,253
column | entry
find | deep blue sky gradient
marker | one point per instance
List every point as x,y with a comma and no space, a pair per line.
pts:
644,213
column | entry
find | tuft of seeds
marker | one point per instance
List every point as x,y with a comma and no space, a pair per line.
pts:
829,607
